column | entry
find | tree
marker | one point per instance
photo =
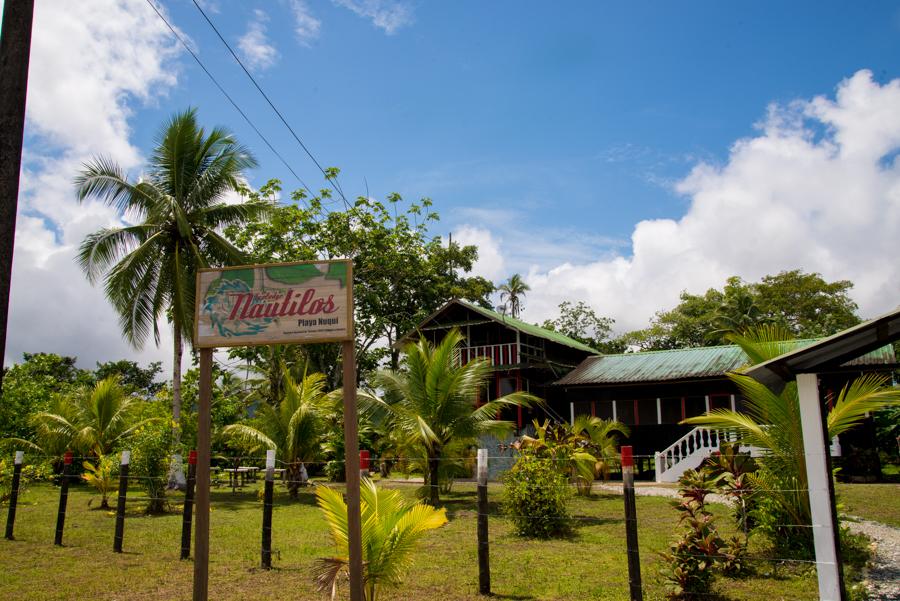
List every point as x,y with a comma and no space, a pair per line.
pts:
294,428
805,304
391,528
131,376
30,387
512,293
178,210
433,399
771,422
401,273
580,322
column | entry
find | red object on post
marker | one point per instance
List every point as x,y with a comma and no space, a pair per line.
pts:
192,458
364,460
627,457
67,458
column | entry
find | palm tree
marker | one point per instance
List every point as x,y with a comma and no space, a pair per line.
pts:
512,292
771,422
434,400
93,421
177,208
391,527
602,436
294,428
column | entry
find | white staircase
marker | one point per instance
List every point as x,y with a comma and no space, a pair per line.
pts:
687,453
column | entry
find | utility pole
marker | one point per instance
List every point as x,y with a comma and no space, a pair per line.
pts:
15,50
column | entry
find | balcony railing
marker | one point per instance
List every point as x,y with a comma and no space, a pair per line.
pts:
497,354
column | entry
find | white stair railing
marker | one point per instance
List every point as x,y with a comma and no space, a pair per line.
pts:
686,453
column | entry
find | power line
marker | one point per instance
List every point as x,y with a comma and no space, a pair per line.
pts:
272,104
227,96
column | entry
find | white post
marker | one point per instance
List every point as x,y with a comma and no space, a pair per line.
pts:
658,410
615,415
657,458
572,412
482,467
706,398
819,490
20,456
270,464
126,457
733,404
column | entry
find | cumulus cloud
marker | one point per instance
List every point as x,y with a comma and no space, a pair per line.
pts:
388,15
306,26
255,46
817,188
85,74
490,263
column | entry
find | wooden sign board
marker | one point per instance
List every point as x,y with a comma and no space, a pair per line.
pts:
282,303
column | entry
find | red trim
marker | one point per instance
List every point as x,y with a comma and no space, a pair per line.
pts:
637,419
67,458
593,408
192,458
627,457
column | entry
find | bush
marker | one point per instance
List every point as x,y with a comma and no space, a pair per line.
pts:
151,449
535,498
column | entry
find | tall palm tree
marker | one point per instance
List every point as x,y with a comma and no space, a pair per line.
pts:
294,428
771,422
434,400
391,527
512,292
178,211
92,421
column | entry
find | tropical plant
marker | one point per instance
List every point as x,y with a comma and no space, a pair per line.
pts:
101,475
294,428
178,211
434,400
602,436
512,293
771,423
535,497
151,449
391,528
93,421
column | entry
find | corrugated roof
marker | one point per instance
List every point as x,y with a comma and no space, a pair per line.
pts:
682,364
510,322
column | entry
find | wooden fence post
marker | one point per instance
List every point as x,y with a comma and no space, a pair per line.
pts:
188,513
120,505
14,494
631,538
484,558
63,498
268,493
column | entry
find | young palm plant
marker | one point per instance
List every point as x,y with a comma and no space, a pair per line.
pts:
434,400
771,422
178,210
391,527
294,428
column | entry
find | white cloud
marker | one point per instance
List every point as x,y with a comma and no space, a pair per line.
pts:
818,188
85,75
306,26
255,46
388,15
490,263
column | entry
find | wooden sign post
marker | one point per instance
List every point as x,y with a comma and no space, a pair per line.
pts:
284,303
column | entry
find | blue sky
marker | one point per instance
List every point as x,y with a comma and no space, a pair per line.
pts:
616,153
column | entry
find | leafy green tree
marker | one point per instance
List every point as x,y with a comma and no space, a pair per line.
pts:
512,292
294,428
402,273
392,526
178,209
771,422
30,386
805,304
433,399
132,376
580,322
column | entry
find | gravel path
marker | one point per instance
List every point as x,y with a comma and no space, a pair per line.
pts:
883,578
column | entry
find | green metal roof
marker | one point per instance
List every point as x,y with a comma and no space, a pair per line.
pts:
682,364
510,322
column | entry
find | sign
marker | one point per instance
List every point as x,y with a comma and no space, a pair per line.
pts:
282,303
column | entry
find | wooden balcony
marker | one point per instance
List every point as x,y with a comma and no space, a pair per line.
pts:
497,354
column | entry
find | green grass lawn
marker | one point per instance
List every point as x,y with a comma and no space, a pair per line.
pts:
878,502
589,565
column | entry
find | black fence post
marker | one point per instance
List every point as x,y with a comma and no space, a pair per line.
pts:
63,498
631,537
267,510
188,506
120,505
14,494
484,557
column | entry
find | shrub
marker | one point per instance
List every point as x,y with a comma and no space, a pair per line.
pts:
150,456
535,498
102,476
